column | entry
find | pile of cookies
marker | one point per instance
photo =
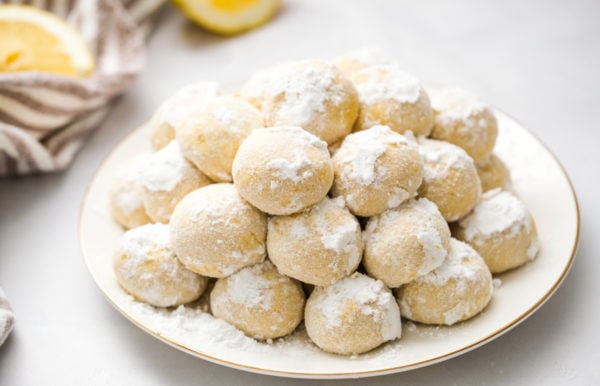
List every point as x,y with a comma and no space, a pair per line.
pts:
342,194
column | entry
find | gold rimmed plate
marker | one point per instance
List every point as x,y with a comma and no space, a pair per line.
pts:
537,177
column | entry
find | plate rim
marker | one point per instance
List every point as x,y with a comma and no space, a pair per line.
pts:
337,375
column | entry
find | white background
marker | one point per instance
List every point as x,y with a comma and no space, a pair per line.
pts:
537,60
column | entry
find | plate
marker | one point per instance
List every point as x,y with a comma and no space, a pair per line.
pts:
537,177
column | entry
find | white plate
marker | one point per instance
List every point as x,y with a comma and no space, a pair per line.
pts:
537,178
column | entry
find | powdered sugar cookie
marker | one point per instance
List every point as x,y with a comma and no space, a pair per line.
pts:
501,229
389,96
493,174
214,232
126,201
260,301
462,119
352,316
375,170
457,290
175,110
282,170
450,179
317,246
312,94
147,268
405,243
210,136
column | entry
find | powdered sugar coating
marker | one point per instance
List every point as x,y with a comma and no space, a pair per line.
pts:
367,293
361,151
249,287
375,170
147,268
317,246
286,169
443,158
457,290
166,178
455,103
341,305
499,211
398,86
164,169
457,266
126,195
130,200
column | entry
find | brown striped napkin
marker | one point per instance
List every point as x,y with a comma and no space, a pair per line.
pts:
6,317
44,118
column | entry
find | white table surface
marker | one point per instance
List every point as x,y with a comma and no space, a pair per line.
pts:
537,60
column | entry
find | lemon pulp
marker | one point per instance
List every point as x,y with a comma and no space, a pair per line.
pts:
229,17
35,40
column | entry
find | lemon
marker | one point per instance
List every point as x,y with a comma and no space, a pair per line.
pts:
36,40
229,17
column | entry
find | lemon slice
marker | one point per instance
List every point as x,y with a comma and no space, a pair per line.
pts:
229,17
36,40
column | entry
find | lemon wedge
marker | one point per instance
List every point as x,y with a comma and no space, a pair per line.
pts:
36,40
229,17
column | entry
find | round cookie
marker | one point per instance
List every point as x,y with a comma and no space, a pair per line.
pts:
126,203
352,316
214,232
282,170
260,301
311,94
211,136
166,178
405,243
375,170
352,62
457,290
462,119
317,246
173,112
493,174
501,229
147,268
389,96
450,179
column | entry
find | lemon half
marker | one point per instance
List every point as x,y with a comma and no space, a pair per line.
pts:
229,17
35,40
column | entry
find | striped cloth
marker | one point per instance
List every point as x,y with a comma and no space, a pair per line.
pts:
6,317
44,118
